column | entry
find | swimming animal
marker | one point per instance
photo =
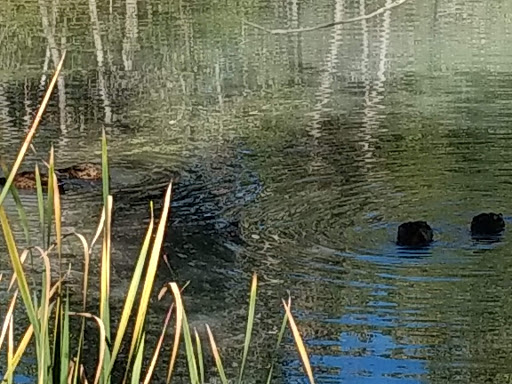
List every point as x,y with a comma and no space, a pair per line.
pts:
82,171
25,180
487,224
415,234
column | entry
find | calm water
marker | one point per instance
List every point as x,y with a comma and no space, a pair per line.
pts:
311,147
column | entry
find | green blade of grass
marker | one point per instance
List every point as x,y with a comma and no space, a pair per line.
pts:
44,313
250,323
132,293
105,266
189,348
299,343
64,355
31,132
158,347
105,282
137,364
10,351
216,356
58,218
87,255
40,202
18,270
49,201
7,318
20,351
102,343
181,322
19,207
23,257
150,273
173,287
85,284
200,362
106,259
99,230
56,339
104,167
279,339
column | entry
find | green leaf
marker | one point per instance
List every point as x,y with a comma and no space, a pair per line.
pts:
216,355
19,207
189,348
250,322
137,365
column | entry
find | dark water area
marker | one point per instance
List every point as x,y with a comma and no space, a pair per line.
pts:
298,156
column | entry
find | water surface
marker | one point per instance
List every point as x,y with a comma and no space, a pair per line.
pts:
300,156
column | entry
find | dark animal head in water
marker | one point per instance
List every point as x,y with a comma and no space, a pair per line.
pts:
487,224
83,171
415,234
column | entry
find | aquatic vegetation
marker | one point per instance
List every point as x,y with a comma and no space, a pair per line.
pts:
60,353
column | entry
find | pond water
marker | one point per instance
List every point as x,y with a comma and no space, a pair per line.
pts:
299,156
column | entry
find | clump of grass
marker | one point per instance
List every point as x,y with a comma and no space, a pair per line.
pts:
47,305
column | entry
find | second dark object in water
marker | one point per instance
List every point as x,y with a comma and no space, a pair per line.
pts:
415,234
490,224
